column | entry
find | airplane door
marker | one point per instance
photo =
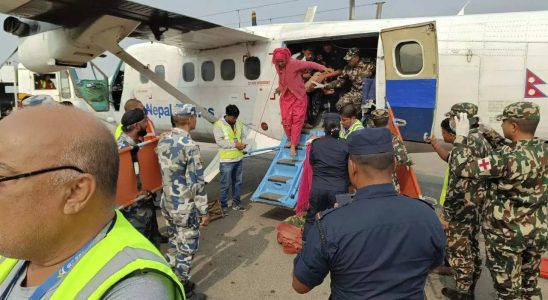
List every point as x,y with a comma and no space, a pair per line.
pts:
411,73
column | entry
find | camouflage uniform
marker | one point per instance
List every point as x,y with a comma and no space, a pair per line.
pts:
184,198
400,153
462,208
355,75
141,213
514,225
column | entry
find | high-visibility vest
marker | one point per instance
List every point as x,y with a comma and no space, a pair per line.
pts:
119,254
118,132
444,187
231,135
356,126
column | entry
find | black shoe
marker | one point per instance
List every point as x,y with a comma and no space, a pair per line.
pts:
456,295
195,296
189,286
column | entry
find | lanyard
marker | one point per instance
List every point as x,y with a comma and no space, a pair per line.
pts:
52,280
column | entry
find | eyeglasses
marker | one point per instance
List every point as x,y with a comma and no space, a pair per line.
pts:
41,171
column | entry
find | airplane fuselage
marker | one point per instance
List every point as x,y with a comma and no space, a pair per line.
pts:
490,60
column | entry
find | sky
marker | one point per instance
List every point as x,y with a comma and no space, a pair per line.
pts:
234,13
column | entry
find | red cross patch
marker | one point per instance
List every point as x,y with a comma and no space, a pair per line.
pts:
484,164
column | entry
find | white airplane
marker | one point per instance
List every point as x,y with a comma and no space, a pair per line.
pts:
424,65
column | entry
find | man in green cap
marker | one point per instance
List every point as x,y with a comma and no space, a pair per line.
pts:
462,207
356,70
514,224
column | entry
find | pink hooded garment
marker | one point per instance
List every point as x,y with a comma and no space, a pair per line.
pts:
293,100
290,77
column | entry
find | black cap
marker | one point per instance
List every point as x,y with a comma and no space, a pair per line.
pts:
331,116
370,141
133,116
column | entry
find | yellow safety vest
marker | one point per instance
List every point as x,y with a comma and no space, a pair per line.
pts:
357,125
120,253
231,135
118,132
444,187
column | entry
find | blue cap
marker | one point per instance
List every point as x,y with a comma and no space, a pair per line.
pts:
370,141
185,110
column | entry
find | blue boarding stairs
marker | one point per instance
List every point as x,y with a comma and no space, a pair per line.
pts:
280,185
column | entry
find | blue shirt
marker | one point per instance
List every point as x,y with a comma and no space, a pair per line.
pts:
329,161
380,246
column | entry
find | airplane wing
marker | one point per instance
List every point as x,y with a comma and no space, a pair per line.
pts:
167,27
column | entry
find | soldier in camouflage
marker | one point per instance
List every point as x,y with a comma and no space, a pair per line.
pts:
184,200
514,224
141,213
462,208
380,119
356,70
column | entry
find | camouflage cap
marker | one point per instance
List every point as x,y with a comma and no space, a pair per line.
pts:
520,111
463,107
378,114
351,52
185,110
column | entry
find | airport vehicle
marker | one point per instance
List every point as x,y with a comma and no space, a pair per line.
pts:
86,88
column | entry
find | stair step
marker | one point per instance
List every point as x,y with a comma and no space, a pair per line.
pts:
279,179
271,196
299,147
288,162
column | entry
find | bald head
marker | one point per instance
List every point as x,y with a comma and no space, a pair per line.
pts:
64,136
133,104
49,204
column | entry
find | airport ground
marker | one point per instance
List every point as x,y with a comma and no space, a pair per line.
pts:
239,257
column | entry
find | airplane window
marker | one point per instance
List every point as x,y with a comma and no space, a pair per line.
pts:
160,70
228,69
409,58
208,70
44,81
252,68
143,79
188,72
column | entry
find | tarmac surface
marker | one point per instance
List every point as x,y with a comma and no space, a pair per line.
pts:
239,257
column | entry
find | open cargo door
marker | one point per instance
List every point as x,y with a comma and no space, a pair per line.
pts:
411,70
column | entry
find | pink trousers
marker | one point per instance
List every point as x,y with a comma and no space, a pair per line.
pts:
293,112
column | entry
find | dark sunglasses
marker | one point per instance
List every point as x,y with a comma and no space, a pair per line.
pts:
41,171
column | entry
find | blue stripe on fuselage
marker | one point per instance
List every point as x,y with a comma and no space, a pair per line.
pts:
416,93
414,101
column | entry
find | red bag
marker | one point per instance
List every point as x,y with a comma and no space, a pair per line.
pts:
290,237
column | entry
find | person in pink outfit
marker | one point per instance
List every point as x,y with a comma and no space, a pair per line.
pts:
293,100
